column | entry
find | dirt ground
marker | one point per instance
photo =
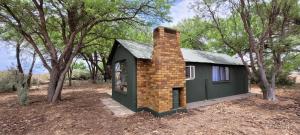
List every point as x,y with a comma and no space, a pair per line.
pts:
81,112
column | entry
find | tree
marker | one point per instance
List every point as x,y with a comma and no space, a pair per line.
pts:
75,65
18,42
196,38
21,80
98,49
61,27
269,28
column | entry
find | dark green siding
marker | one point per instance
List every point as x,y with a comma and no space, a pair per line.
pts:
202,87
128,99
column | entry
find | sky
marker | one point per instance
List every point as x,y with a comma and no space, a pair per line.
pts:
7,57
179,11
8,60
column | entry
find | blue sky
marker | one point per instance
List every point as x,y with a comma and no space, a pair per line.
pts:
8,60
6,55
179,11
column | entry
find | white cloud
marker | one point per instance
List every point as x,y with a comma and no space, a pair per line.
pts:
179,11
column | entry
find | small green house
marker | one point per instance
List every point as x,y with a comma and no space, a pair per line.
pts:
162,78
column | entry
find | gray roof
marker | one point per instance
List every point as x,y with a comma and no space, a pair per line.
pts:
144,51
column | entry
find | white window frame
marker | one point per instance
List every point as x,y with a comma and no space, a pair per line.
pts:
192,72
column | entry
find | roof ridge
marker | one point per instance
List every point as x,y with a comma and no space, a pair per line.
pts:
149,44
144,51
205,51
141,43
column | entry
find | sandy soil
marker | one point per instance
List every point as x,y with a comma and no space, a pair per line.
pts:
81,112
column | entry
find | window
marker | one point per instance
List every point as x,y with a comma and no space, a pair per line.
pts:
190,72
120,76
220,73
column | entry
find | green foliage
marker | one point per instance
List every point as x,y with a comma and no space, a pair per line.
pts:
60,30
7,81
79,71
79,74
284,79
194,33
97,21
22,88
222,30
11,80
137,33
202,34
290,63
79,66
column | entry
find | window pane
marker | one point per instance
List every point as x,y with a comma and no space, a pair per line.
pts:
121,76
227,73
222,73
215,73
192,72
117,67
187,72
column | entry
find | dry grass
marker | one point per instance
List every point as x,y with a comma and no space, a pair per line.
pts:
81,112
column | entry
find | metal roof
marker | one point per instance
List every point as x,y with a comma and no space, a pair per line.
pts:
144,51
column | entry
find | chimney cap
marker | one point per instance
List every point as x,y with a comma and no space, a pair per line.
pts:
166,29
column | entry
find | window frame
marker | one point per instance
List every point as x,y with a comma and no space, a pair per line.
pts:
226,73
126,79
192,74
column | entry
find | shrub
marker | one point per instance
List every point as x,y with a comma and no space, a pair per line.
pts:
22,89
11,80
8,81
80,74
35,81
285,79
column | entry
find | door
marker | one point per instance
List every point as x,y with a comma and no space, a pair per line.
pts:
176,98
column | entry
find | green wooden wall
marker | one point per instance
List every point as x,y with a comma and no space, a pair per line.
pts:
127,99
202,87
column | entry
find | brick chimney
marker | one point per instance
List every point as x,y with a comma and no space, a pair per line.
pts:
158,78
168,69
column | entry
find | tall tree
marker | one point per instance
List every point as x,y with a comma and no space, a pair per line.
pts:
269,28
61,26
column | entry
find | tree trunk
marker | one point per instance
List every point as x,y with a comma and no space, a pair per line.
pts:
96,64
93,61
268,91
70,77
57,77
55,86
58,89
271,96
19,64
54,76
30,70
